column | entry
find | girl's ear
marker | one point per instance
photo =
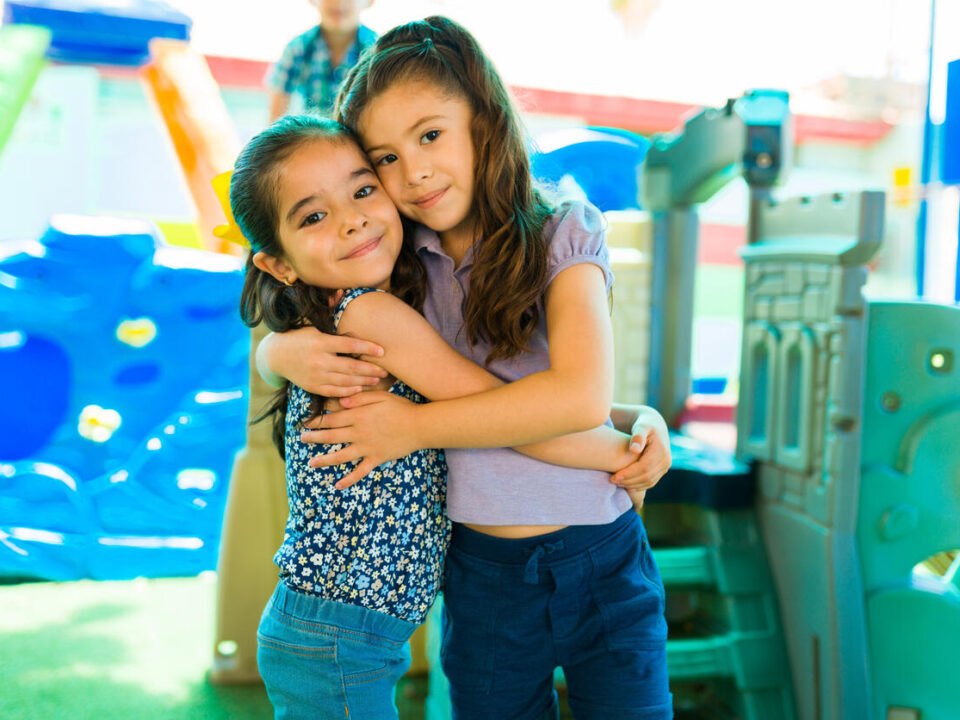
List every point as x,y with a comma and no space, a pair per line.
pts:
277,267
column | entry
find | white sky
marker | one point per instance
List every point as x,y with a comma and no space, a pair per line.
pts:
700,51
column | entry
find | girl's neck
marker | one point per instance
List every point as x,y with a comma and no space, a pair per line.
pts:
457,241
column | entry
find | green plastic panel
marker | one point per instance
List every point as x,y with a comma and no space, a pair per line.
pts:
910,507
21,59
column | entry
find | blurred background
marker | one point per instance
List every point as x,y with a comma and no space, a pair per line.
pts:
124,376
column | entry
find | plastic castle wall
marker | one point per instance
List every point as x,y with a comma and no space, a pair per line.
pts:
799,417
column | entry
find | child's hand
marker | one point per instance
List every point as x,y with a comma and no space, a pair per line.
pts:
376,427
334,299
652,461
637,497
320,363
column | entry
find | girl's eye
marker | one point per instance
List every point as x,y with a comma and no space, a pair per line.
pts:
429,136
364,191
387,159
312,218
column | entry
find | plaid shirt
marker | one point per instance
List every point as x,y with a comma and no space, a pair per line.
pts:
305,69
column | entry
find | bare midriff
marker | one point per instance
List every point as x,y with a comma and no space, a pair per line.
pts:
514,531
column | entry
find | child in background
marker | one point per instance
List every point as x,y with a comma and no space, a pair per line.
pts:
547,566
359,568
314,63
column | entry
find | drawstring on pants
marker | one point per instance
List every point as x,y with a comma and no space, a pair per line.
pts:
530,572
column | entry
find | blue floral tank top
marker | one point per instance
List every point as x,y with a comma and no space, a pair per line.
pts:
379,544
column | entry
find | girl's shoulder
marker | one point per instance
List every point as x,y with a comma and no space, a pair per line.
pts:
348,297
576,233
575,217
376,308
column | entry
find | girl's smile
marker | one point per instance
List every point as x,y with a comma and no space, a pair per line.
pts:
365,248
338,228
430,199
418,138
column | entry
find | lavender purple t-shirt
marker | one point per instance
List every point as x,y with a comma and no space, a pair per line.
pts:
499,486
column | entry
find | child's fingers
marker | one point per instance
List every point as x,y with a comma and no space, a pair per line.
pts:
343,455
345,345
343,369
367,398
640,482
327,421
337,391
335,298
638,443
637,497
356,475
329,436
643,475
646,471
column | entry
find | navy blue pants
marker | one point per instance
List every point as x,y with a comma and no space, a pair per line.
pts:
587,598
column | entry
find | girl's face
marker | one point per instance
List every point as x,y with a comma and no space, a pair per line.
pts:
418,138
338,228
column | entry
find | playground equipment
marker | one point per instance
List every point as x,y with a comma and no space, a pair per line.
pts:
847,428
122,372
800,418
207,146
850,408
726,650
604,163
116,442
92,31
204,138
21,59
750,136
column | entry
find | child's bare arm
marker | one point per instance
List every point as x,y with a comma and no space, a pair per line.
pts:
572,394
318,362
416,354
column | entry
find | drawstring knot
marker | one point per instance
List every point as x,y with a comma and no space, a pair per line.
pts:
530,572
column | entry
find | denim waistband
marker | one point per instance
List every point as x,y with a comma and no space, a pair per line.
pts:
557,545
351,618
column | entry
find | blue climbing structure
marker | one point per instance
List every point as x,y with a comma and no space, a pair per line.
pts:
123,378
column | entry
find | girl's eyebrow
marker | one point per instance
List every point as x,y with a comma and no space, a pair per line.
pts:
409,130
299,204
359,172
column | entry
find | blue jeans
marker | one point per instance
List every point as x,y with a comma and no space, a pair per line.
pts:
587,598
326,659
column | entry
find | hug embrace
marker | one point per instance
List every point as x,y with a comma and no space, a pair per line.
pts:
485,457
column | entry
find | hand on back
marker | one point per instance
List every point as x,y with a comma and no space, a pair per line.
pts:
322,363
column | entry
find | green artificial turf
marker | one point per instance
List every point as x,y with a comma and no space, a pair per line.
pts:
135,649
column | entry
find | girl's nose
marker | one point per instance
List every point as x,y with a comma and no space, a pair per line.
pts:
354,223
418,174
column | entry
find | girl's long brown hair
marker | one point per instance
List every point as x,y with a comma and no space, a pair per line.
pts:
509,274
256,209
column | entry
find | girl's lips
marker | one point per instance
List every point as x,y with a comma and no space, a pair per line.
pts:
363,249
430,199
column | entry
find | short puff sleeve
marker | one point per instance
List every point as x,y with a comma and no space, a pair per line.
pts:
577,233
